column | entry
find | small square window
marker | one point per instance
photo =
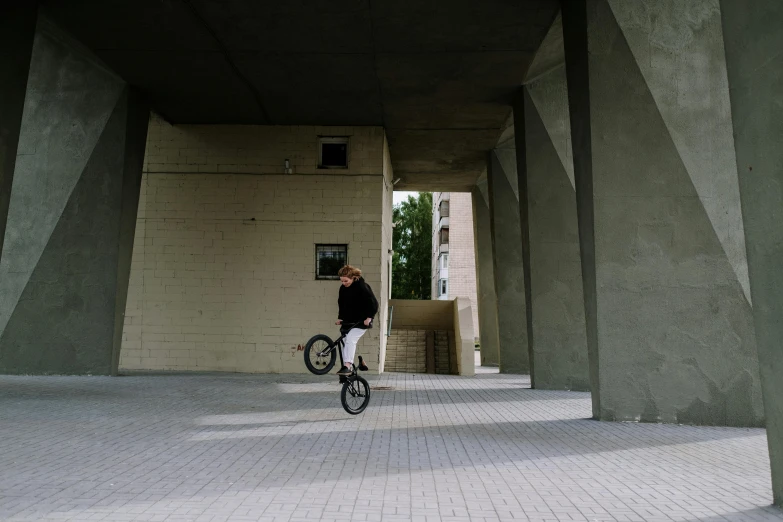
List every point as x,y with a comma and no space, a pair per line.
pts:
329,259
333,153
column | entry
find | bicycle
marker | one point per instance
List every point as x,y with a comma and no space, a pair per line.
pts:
320,356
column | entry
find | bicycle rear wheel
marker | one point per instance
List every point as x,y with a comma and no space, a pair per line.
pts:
355,395
315,362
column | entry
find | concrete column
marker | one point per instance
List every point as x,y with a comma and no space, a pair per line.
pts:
485,278
753,41
669,320
508,261
520,155
560,350
65,266
17,27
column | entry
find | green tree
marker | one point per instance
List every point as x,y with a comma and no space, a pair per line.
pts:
412,244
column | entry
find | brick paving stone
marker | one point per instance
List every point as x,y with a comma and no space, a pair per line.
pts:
239,447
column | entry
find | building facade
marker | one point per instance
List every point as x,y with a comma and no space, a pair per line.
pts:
230,243
453,250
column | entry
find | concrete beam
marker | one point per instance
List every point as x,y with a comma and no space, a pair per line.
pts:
508,263
17,28
485,277
753,40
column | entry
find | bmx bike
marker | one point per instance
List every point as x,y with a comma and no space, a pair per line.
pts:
320,354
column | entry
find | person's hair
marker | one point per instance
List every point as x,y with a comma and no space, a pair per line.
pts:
350,271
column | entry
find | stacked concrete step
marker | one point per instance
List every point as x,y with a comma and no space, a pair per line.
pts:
442,360
406,351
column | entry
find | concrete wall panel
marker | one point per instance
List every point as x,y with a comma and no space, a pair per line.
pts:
678,47
63,271
560,348
485,278
675,340
69,101
755,72
17,29
508,265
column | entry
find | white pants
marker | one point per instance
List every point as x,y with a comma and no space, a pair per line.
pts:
349,346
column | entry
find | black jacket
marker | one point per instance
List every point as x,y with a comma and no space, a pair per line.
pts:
357,303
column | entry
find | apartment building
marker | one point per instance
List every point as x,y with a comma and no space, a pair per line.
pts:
453,254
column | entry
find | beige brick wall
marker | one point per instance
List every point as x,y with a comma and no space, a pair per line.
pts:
384,294
223,262
462,254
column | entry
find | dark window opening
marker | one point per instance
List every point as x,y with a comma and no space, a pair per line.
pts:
333,153
444,235
329,259
444,209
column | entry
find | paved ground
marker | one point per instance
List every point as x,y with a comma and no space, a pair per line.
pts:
280,447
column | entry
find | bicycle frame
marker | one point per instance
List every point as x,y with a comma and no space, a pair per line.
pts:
338,343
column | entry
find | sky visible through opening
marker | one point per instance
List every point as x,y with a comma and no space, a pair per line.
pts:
400,196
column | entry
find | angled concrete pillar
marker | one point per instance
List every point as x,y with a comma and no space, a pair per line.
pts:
508,261
66,262
560,349
485,278
520,157
753,41
17,27
669,320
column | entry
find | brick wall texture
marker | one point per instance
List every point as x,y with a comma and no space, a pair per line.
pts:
462,254
443,339
224,254
406,351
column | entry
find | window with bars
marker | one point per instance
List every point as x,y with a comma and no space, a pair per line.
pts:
329,259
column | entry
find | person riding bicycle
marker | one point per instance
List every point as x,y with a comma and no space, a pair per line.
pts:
357,307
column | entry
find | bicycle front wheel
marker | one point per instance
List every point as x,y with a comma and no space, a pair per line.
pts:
355,395
316,360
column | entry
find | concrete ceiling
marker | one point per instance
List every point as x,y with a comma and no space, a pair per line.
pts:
439,76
